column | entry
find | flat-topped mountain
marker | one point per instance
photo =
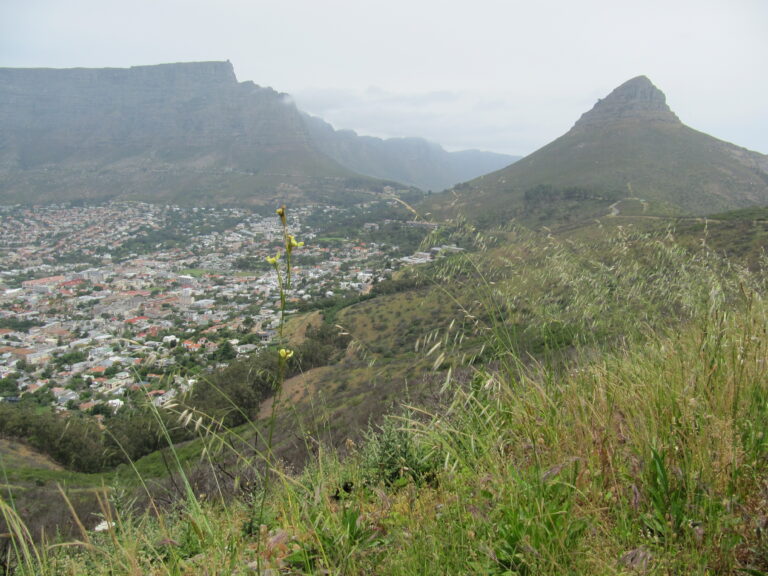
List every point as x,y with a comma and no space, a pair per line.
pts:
173,131
629,145
156,113
183,132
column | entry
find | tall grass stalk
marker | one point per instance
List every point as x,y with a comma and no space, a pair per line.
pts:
30,556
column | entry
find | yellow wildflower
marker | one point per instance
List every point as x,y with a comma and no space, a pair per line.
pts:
291,243
281,212
285,353
273,259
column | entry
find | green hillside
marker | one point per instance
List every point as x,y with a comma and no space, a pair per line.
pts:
591,401
630,145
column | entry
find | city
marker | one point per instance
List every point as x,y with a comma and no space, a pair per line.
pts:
101,304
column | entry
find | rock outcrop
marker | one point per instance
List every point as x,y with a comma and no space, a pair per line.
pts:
635,100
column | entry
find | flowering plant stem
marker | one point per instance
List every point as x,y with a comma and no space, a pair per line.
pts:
284,354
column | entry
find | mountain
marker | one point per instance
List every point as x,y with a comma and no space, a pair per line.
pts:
191,132
630,145
172,131
412,161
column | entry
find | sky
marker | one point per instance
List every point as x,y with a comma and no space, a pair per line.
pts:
500,75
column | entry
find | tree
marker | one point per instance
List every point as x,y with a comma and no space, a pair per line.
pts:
8,386
235,393
225,351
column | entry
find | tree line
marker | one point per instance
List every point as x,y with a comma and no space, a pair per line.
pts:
79,442
82,443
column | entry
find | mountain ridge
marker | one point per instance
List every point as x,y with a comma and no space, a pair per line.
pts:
629,145
183,131
410,160
154,132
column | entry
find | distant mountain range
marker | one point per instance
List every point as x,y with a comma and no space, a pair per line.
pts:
191,132
630,151
412,161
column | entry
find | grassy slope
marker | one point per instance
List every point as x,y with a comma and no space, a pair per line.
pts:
676,169
542,296
37,487
18,455
630,448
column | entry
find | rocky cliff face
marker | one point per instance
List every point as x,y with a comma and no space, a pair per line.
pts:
636,99
167,112
156,132
191,131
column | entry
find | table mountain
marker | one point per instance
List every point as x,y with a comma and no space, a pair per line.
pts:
629,145
183,132
173,131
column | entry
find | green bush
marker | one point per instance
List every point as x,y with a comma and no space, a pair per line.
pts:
393,456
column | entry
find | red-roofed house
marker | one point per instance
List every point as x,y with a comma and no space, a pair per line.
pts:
191,346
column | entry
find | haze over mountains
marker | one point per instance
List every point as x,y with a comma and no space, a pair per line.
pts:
192,131
630,145
413,161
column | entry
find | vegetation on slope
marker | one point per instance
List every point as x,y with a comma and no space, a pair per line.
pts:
633,445
630,146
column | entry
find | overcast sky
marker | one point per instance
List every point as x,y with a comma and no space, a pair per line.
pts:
507,76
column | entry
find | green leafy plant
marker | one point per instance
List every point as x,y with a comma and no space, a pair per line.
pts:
391,454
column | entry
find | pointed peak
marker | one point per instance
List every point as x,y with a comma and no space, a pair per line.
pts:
641,81
639,90
635,99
